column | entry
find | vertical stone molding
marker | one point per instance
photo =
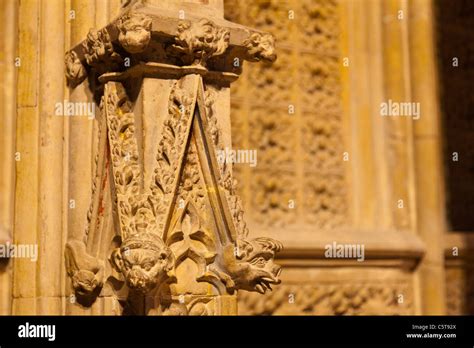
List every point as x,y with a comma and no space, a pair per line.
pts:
8,40
165,231
117,167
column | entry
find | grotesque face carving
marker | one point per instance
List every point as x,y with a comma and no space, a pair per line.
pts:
75,71
85,282
86,271
144,260
259,271
135,33
251,266
200,41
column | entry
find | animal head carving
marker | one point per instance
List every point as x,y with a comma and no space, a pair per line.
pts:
260,47
85,282
86,271
251,265
144,260
135,32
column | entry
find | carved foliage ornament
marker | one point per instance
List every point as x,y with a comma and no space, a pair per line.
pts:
249,266
351,297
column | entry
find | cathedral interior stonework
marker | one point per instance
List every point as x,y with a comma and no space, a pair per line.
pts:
237,157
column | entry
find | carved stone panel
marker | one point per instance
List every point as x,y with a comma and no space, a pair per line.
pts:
290,113
335,292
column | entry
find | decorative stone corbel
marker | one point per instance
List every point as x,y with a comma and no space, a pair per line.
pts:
260,47
75,71
199,41
99,51
249,265
145,261
5,240
86,271
175,223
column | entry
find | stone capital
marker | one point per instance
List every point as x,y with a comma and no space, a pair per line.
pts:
144,34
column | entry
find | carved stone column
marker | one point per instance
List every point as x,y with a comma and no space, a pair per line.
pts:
165,230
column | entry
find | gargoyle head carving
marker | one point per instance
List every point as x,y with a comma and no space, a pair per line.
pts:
86,271
98,49
251,265
144,260
85,282
135,32
260,47
199,41
75,71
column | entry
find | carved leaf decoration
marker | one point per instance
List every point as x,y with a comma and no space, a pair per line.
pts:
170,148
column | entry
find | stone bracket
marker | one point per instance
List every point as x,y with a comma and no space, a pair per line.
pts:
141,34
